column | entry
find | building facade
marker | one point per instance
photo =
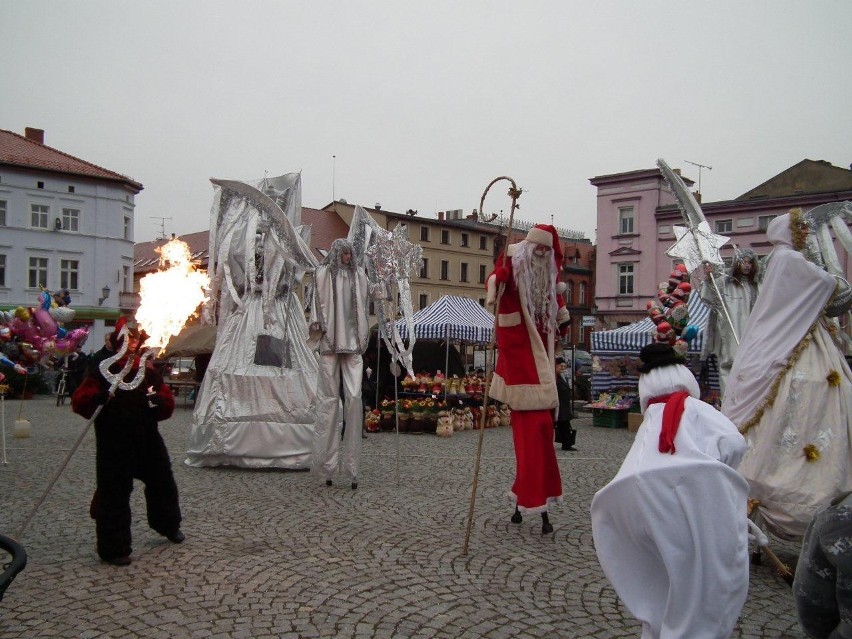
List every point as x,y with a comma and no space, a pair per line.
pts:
636,215
65,223
459,253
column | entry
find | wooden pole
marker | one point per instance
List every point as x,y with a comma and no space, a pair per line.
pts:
514,193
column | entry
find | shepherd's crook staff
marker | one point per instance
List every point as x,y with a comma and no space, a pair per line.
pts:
514,193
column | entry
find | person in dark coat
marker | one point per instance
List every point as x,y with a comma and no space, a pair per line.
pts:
129,446
565,433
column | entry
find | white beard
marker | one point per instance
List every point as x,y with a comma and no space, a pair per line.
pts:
539,276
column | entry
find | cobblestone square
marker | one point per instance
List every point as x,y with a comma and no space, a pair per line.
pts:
272,554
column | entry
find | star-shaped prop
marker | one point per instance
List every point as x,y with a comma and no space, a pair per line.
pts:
409,256
697,245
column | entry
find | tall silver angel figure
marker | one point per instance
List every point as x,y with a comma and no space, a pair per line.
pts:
257,402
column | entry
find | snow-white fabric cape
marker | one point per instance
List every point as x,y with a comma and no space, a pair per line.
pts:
808,411
256,405
670,530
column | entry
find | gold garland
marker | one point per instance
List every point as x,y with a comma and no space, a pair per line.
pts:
798,229
773,390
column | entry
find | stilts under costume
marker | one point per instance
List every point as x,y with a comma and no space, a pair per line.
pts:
790,389
339,324
129,446
670,530
525,374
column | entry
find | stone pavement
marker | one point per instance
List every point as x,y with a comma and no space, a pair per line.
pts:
279,554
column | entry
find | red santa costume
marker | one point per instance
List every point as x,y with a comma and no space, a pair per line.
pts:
529,312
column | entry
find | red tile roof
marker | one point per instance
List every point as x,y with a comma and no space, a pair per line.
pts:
17,150
326,226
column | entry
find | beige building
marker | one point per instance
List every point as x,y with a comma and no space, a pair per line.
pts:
458,252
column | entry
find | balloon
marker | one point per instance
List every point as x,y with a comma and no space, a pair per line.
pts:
690,332
44,300
46,324
22,314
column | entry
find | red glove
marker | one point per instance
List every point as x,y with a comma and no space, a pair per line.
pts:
501,274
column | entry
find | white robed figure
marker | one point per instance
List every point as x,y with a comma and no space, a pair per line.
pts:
340,328
738,290
670,530
256,405
790,389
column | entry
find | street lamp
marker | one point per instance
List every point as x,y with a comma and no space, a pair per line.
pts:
105,293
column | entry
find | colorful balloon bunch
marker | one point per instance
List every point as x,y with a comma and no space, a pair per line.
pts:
670,313
30,336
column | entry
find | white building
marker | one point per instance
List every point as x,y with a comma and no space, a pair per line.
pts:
64,224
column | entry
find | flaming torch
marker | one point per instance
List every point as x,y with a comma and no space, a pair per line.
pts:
169,298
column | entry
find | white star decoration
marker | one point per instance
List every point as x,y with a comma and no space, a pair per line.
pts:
696,245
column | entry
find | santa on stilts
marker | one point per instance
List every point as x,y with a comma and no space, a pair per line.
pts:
529,316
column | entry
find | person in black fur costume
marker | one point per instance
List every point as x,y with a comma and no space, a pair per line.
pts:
129,446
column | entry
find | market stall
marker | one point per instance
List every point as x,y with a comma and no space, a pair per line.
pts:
615,356
442,387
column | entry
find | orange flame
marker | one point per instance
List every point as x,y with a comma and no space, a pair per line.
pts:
171,296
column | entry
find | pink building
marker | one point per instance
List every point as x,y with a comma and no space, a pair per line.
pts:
636,213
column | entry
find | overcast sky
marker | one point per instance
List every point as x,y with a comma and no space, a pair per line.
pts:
423,103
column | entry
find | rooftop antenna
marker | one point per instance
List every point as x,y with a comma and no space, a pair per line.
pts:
333,163
162,226
700,166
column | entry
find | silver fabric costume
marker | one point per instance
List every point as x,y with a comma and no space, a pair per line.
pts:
257,404
339,326
738,293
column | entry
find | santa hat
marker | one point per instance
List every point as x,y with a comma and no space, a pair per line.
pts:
546,235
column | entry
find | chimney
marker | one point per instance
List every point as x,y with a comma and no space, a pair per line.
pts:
36,135
697,195
378,206
676,171
440,215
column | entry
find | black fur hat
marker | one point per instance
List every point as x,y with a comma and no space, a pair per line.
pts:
658,354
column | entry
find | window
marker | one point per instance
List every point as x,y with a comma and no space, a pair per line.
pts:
71,189
127,228
724,226
445,236
582,300
465,240
569,293
69,273
482,301
2,212
38,215
2,270
664,229
463,272
625,220
37,272
371,308
764,220
445,269
424,233
424,301
581,333
424,268
483,243
625,279
39,185
482,273
126,279
71,220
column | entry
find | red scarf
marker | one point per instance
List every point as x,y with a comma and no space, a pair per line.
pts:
674,405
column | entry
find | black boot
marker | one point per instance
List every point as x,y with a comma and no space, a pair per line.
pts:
517,517
546,526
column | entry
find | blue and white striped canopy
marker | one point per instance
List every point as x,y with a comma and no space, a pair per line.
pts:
453,318
636,335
